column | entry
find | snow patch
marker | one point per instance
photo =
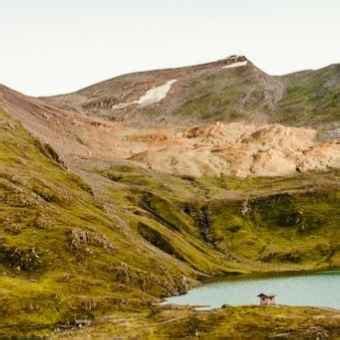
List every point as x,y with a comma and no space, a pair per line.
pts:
152,96
156,94
237,64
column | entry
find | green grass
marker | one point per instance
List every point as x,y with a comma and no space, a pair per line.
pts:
308,98
249,322
67,254
290,223
45,281
227,95
311,98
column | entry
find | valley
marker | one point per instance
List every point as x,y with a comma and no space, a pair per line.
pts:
144,186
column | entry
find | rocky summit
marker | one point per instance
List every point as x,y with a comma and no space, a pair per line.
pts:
145,185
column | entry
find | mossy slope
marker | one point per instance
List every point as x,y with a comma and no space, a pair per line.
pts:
312,97
68,253
211,92
303,99
62,257
247,322
251,225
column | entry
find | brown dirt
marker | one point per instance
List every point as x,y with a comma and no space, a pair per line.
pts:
237,149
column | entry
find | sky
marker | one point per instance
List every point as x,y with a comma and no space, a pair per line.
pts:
52,47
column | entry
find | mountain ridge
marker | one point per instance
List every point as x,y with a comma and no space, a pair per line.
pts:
198,120
210,92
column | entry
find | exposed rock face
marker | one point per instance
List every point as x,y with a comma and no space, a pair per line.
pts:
244,150
79,239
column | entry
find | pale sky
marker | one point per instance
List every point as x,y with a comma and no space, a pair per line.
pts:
50,47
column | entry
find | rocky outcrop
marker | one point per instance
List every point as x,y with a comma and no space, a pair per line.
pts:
243,150
82,239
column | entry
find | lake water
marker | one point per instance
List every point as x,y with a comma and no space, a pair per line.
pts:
319,289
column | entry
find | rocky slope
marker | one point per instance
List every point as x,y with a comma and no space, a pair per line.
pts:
110,130
240,150
227,89
231,89
133,189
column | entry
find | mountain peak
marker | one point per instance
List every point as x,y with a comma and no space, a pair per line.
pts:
236,58
235,61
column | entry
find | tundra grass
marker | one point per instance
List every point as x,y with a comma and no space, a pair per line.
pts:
68,254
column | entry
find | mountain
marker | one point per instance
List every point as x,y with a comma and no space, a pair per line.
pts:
222,118
311,97
146,185
231,89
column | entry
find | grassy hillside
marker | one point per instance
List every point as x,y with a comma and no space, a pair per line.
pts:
52,236
62,257
258,224
305,98
230,323
231,94
312,97
69,253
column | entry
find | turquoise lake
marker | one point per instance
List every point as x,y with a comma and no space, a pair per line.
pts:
319,290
